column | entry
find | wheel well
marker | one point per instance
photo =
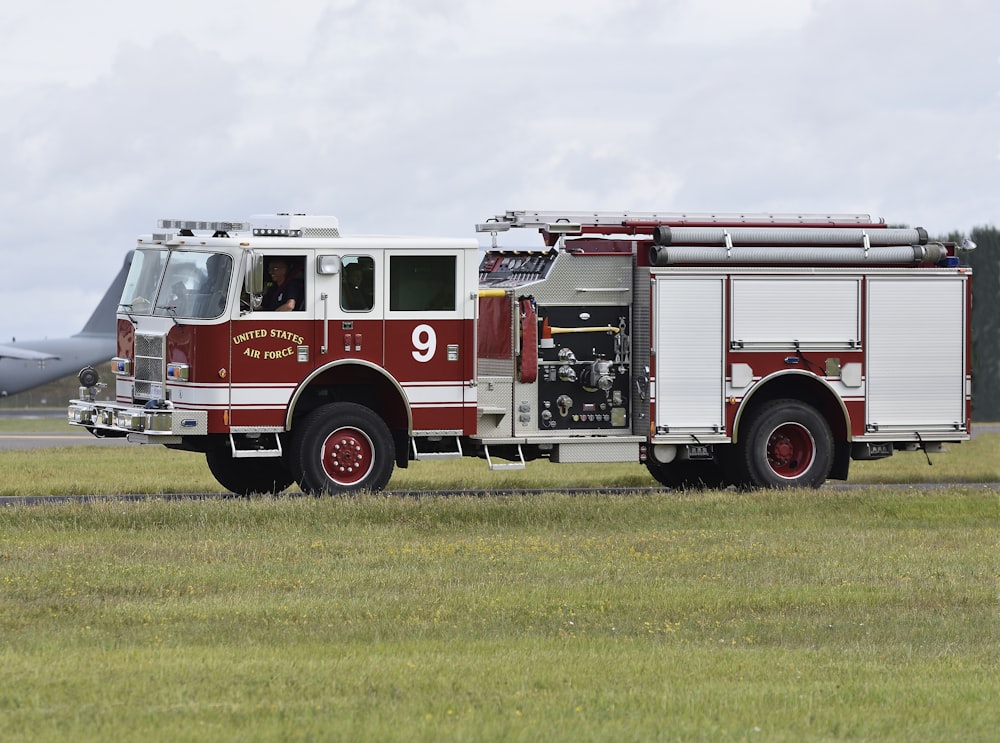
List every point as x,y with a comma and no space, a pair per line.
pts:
351,382
798,386
812,391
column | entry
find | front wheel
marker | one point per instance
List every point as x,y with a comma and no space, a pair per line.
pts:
788,444
246,475
343,448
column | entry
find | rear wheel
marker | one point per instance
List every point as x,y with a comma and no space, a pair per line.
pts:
687,474
246,475
787,444
344,447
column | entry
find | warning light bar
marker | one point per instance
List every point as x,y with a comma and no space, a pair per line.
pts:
276,232
260,225
192,225
294,225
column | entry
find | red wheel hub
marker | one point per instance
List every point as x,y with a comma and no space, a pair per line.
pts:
790,450
348,456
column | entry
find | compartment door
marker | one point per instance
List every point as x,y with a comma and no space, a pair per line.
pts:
915,376
688,327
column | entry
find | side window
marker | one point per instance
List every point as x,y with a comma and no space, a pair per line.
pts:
421,283
357,283
284,284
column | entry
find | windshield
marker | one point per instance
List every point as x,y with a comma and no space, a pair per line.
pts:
143,276
180,284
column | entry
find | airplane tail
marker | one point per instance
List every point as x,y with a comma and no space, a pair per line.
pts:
104,320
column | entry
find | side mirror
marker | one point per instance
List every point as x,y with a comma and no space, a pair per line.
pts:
253,282
253,277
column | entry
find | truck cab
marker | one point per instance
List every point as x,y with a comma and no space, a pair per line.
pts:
383,328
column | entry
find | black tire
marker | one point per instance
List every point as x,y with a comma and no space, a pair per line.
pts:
344,448
292,447
687,474
787,444
246,475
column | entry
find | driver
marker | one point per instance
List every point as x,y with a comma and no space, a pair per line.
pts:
286,293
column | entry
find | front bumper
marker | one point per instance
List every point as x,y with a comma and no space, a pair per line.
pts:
157,424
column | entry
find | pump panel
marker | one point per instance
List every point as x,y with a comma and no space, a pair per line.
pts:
511,270
584,368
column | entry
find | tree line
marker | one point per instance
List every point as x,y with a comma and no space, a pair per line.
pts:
985,264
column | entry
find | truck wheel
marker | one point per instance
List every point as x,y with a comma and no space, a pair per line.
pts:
293,447
248,475
788,444
687,474
344,448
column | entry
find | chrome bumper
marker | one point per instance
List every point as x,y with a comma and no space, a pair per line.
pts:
135,419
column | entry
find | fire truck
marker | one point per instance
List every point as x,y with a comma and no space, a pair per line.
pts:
755,350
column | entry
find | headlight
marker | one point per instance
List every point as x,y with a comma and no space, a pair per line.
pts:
130,421
80,415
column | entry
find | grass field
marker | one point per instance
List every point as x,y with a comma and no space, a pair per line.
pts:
864,614
154,469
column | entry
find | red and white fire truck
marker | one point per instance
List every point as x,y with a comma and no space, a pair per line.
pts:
760,350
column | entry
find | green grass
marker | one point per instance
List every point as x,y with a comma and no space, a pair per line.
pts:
55,470
977,460
154,469
800,615
866,614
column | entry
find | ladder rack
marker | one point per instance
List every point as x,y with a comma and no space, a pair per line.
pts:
575,223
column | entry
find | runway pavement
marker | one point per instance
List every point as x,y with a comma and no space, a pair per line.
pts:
46,437
39,440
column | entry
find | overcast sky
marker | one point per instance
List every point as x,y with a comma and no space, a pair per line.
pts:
426,116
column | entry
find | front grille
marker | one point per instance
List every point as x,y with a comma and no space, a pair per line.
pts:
149,367
149,345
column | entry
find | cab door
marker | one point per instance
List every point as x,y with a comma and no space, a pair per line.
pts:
270,352
430,335
349,286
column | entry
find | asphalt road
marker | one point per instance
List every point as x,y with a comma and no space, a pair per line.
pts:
72,437
67,435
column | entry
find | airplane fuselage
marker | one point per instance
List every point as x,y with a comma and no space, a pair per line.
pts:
73,353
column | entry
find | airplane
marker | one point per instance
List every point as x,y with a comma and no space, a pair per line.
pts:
25,365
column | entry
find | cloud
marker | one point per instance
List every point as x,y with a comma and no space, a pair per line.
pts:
427,116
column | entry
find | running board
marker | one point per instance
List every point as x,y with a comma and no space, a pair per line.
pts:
265,445
437,454
506,466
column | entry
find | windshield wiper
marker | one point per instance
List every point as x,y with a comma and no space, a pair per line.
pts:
172,309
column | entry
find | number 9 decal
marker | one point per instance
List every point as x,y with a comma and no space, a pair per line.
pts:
424,341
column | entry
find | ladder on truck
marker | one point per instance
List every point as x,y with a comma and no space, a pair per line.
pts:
573,222
690,238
